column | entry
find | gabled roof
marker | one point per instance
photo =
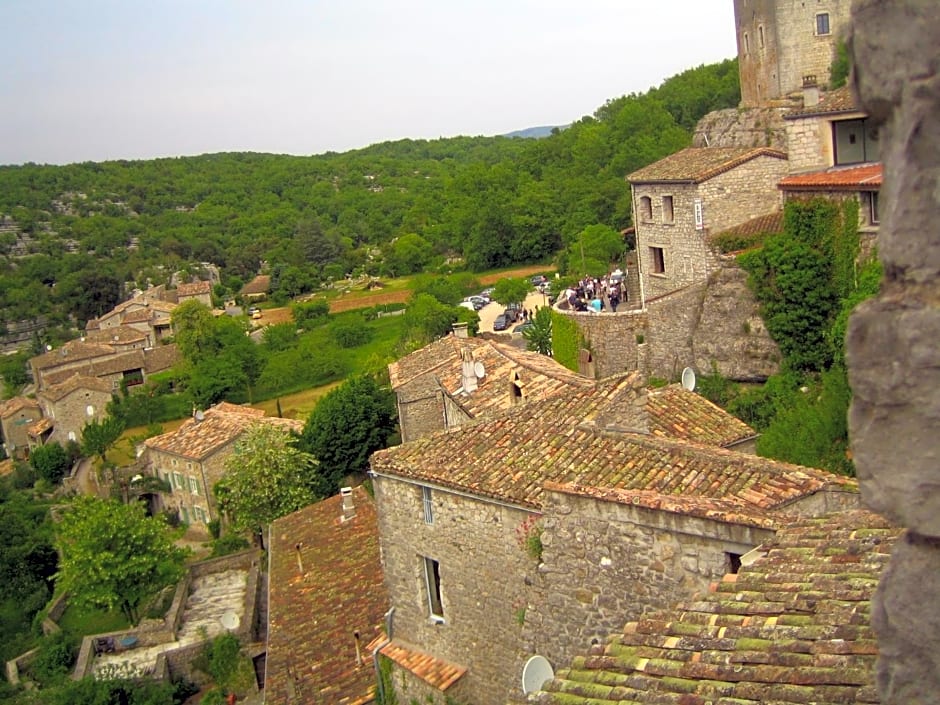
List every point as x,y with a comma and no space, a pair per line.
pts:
325,585
860,177
434,671
119,335
220,426
694,165
840,100
792,627
73,350
678,413
161,357
16,404
194,289
57,392
540,376
575,440
259,285
769,223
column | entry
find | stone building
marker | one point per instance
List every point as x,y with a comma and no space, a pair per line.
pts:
781,42
200,291
148,313
326,603
16,416
549,525
680,199
457,379
191,459
68,406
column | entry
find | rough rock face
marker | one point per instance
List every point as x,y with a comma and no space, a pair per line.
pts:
743,127
892,350
730,332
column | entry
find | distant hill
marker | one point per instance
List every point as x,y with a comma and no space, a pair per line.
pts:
535,132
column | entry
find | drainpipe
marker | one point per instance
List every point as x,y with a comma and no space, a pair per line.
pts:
375,654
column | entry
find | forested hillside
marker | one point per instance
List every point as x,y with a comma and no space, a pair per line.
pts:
74,234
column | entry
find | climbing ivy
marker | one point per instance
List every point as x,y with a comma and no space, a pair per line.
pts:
567,340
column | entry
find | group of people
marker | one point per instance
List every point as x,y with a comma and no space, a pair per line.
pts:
590,293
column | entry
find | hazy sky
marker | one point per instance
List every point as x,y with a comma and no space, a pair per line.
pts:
129,79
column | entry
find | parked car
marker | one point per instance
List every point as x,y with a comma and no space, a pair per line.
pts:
513,312
256,314
538,279
501,322
468,305
477,301
487,293
523,327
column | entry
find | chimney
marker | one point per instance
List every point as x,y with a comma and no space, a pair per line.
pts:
468,376
460,330
810,92
349,510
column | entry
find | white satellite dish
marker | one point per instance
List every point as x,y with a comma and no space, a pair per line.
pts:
688,379
200,415
536,673
230,620
479,370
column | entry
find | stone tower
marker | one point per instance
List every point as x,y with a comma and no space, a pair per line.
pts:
782,41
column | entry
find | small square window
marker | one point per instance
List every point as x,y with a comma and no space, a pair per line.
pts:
822,23
657,260
432,577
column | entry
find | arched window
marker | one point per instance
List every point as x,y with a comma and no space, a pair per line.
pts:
646,209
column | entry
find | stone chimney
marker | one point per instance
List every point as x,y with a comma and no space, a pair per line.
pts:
349,509
468,376
460,330
810,92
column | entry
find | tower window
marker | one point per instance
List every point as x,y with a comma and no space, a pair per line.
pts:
657,261
822,23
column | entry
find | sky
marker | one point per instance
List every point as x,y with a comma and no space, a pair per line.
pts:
93,80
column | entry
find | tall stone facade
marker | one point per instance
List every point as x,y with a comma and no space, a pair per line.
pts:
892,351
782,41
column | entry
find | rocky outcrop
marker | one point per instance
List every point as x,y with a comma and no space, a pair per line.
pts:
743,127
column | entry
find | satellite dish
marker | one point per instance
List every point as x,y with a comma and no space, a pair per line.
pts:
479,370
536,673
688,379
200,415
230,620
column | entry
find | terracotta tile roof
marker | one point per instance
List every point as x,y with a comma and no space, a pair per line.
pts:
40,427
221,426
194,289
138,315
771,223
863,177
12,406
678,413
434,671
259,285
841,100
74,383
120,335
698,164
563,440
791,627
540,377
70,352
161,357
315,610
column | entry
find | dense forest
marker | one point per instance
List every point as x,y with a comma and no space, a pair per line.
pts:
72,237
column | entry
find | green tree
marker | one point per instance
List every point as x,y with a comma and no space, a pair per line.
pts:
266,477
427,319
308,314
13,370
114,556
407,254
345,427
511,291
51,462
539,337
194,330
99,436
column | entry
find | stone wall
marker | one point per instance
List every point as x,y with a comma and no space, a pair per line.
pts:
728,199
420,408
605,564
485,579
15,437
892,351
71,413
182,499
743,127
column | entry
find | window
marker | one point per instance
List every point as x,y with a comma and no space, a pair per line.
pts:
747,45
873,218
432,578
668,214
428,506
177,481
199,514
89,410
657,260
822,23
734,562
193,485
760,35
646,209
855,141
699,214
